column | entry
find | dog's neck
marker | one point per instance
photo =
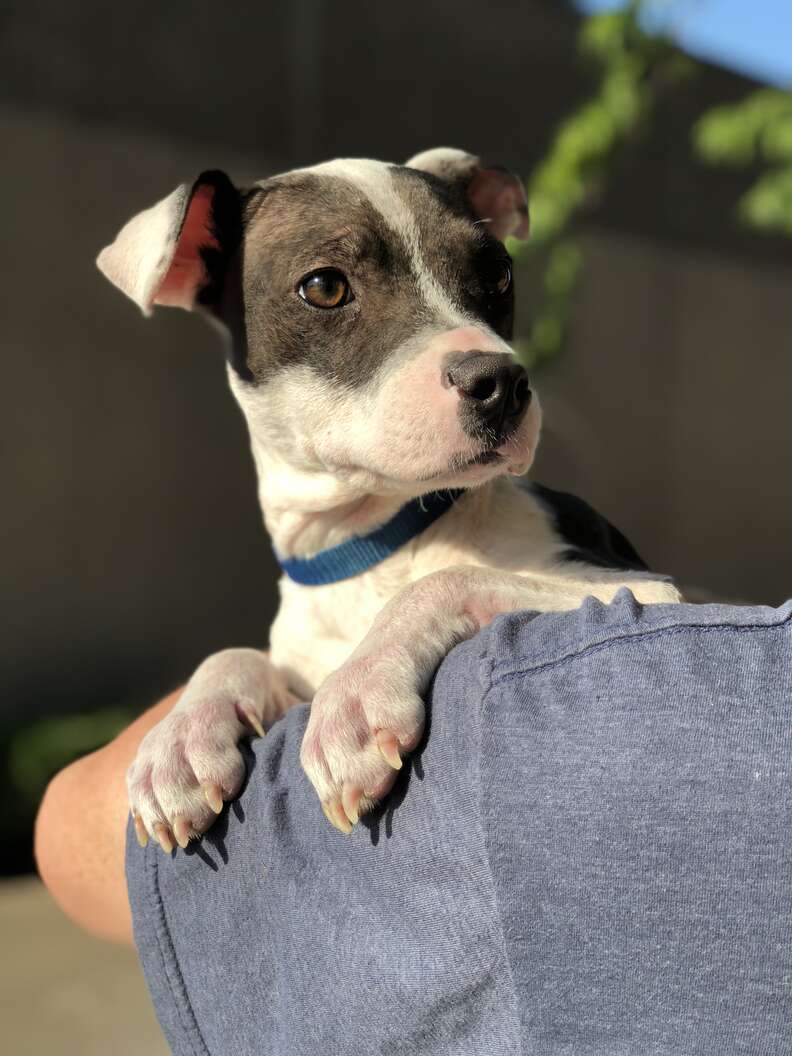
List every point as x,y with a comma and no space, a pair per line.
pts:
307,511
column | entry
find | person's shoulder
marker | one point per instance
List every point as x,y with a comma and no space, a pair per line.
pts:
525,642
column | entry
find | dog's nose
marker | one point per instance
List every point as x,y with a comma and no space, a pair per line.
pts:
493,386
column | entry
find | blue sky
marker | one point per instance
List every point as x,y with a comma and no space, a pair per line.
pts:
751,36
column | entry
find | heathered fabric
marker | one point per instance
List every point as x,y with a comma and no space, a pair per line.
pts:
590,856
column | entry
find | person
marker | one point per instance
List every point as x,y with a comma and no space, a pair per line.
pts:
590,853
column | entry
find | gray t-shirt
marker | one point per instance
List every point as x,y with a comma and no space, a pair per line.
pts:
591,855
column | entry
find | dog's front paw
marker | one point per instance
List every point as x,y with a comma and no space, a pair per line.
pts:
190,762
184,769
364,717
655,592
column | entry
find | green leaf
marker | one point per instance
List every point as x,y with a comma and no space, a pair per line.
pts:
38,751
724,136
776,139
562,270
768,204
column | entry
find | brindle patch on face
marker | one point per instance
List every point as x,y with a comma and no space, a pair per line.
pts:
456,247
303,221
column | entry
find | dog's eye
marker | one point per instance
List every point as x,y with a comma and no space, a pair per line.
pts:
327,288
498,277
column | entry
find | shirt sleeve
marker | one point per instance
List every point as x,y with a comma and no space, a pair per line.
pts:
637,800
590,852
278,935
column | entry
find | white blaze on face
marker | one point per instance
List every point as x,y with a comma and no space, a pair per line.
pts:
375,181
412,425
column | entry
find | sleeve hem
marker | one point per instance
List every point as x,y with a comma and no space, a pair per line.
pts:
157,953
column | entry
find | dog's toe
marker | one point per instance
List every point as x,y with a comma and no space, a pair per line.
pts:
336,815
213,792
186,768
365,717
141,832
388,744
183,831
162,835
351,796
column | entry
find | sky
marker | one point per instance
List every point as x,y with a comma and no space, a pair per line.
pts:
753,37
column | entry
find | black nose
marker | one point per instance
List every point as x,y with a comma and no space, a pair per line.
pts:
493,387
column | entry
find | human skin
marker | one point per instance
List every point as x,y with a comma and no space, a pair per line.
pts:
80,837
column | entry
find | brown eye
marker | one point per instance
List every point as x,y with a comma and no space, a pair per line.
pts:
499,278
327,288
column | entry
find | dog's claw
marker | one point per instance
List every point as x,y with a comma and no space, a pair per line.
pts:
214,796
336,816
342,822
389,749
163,837
350,801
253,720
140,830
182,831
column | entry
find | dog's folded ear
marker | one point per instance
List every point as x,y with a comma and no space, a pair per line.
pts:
493,193
175,252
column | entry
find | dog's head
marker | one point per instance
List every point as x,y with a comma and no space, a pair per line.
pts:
369,308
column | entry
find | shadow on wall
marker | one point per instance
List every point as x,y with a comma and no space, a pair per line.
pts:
667,410
134,546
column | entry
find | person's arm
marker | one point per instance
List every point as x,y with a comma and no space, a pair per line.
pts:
80,835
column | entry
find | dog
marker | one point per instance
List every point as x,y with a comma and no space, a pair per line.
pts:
368,311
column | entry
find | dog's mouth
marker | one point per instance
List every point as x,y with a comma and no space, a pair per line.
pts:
493,450
459,464
488,457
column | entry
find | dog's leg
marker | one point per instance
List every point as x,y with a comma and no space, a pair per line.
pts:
370,712
189,762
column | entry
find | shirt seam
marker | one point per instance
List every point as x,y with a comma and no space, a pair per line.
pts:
187,1019
486,666
626,639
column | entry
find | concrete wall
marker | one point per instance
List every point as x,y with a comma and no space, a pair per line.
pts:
130,541
305,80
670,410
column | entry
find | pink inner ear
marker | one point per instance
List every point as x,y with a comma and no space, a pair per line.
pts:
186,273
499,197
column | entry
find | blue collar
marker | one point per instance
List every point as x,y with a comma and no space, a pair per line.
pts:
363,551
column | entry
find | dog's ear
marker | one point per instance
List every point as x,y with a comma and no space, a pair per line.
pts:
175,252
493,193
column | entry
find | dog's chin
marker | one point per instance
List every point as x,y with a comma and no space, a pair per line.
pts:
487,466
463,471
512,456
471,465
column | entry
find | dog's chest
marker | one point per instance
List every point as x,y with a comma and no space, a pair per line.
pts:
317,628
500,527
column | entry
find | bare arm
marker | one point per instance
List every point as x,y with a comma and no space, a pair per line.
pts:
80,836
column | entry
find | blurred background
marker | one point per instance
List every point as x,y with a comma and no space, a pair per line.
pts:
654,308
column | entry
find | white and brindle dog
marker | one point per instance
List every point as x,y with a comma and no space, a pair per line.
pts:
368,309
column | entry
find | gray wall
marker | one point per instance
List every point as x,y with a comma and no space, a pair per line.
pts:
131,543
302,80
670,410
